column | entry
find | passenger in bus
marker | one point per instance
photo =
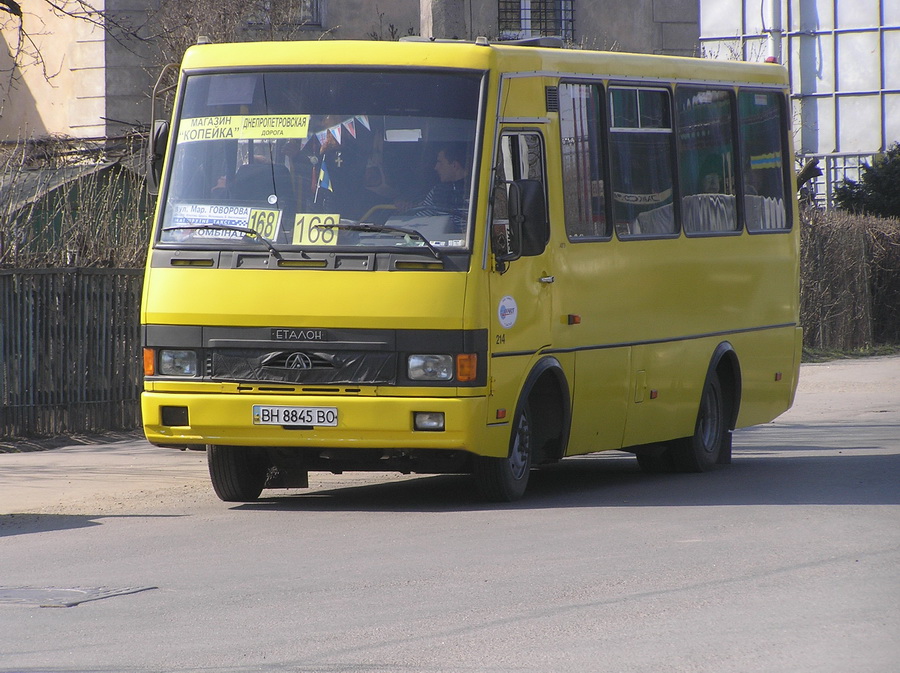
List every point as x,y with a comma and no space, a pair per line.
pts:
711,184
712,206
332,166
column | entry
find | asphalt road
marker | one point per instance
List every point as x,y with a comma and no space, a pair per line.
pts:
785,561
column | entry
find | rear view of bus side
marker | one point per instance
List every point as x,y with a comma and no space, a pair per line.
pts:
467,258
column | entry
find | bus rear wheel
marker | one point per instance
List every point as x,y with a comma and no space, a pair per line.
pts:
701,451
505,479
238,473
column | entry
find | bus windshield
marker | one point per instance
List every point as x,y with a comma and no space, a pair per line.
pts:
323,159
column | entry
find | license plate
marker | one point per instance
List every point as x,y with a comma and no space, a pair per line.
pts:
311,416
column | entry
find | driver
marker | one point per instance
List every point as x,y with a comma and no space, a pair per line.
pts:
451,193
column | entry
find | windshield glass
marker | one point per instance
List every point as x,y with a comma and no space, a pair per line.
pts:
323,159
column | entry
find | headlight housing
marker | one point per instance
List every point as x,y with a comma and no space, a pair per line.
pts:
177,363
430,367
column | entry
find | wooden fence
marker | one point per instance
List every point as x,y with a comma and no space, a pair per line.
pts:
69,351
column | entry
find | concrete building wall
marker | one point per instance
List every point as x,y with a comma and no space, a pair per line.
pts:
128,76
364,19
842,57
19,116
65,93
99,86
89,86
645,26
87,73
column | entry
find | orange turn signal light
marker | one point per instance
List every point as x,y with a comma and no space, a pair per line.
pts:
149,361
466,367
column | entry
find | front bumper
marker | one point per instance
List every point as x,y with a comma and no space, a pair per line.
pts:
364,422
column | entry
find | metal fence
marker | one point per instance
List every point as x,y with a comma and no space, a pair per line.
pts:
69,351
836,168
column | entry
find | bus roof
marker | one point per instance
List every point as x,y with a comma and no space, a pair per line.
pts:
480,55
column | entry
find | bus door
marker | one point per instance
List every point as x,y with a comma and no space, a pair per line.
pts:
521,289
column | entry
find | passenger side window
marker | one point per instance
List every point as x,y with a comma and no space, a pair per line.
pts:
762,160
706,160
521,157
641,158
582,164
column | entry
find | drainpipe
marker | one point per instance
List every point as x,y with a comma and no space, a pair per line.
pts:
775,32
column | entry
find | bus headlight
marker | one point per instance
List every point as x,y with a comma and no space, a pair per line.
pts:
177,363
430,367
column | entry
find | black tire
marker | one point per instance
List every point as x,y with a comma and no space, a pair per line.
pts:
505,479
238,473
700,452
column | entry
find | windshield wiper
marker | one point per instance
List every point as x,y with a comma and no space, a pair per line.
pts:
252,233
383,229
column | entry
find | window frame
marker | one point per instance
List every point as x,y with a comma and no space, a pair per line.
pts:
787,176
507,180
639,86
603,161
736,158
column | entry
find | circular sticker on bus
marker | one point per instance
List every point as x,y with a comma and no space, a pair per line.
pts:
508,311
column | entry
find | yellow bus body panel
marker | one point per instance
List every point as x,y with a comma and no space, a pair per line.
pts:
651,312
304,298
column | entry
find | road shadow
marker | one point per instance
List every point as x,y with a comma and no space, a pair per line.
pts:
27,523
775,475
23,524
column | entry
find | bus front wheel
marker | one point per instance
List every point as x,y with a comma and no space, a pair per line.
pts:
505,479
238,473
701,451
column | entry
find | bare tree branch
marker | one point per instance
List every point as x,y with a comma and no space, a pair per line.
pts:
11,7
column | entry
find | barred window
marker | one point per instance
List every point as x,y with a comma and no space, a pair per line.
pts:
536,18
267,14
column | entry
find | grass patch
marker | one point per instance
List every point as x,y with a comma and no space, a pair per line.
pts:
829,354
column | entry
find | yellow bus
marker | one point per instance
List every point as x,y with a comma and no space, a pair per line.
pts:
446,257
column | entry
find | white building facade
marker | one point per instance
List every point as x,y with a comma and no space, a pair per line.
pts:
844,61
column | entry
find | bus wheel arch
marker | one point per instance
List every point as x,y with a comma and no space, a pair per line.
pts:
539,433
726,365
710,445
547,392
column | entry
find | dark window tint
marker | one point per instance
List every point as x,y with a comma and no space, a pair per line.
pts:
583,178
521,157
763,159
641,162
706,160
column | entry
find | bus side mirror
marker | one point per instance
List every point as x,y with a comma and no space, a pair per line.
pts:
156,150
527,207
526,232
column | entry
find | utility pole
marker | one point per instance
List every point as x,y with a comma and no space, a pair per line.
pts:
443,19
775,32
